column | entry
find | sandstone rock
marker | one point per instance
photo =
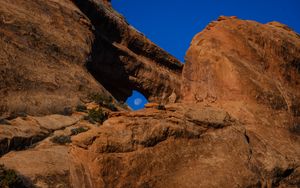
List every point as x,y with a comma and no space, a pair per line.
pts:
55,122
172,98
251,71
221,18
44,48
22,133
134,136
240,61
178,147
46,166
128,58
54,54
107,2
151,105
209,116
280,25
237,125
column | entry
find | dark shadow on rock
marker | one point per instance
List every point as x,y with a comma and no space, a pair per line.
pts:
104,62
12,179
114,59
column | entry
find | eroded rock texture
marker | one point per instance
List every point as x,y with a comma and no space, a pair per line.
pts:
50,50
236,60
44,47
186,145
237,125
251,70
123,59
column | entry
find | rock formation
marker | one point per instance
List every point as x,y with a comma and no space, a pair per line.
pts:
53,56
237,123
128,58
251,70
235,60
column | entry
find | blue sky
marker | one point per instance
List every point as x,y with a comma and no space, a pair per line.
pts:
136,101
172,24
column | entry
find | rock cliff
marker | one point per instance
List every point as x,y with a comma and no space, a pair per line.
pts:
235,60
250,70
53,56
237,123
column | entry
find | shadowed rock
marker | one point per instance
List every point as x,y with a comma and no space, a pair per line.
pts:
123,59
54,54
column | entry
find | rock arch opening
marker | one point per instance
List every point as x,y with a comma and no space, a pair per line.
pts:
136,101
122,59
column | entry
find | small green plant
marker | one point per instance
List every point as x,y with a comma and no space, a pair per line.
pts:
62,139
9,178
101,99
81,108
97,115
78,130
105,101
161,107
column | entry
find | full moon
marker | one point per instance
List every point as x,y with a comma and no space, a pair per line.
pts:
137,101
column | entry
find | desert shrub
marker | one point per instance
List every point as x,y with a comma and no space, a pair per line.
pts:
14,115
81,108
78,130
100,98
161,107
97,115
9,178
105,101
62,139
67,111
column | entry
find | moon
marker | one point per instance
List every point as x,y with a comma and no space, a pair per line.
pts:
137,101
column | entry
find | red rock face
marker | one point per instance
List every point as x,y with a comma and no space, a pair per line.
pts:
244,61
123,59
236,60
44,48
237,125
56,53
251,70
107,2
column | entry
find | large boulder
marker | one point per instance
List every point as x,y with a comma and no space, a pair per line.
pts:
237,60
251,70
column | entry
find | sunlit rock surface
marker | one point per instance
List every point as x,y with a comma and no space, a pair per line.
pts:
237,123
